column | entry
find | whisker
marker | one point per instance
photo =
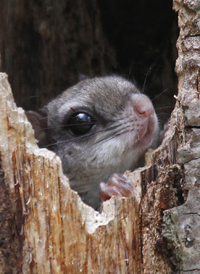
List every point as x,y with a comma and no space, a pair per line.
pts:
71,125
154,64
108,138
82,138
113,135
161,93
147,74
167,107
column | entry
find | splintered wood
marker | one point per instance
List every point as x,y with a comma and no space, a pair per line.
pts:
50,230
45,227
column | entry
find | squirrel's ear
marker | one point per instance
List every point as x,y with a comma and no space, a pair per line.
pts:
39,124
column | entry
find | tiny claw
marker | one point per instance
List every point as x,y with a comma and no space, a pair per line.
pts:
117,185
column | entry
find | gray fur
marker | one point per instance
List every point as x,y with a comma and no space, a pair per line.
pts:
109,147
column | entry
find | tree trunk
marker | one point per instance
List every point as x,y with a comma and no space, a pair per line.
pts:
182,223
45,227
47,46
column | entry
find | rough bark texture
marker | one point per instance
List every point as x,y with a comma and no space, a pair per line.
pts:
46,46
44,226
182,223
50,230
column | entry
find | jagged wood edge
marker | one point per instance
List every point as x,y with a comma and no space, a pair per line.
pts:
58,232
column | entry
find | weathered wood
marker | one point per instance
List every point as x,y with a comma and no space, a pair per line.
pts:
47,47
58,233
182,223
45,228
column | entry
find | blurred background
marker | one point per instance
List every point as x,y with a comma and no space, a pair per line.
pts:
47,46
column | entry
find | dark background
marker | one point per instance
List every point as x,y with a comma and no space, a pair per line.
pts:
48,46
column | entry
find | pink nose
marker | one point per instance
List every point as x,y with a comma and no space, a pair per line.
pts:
142,105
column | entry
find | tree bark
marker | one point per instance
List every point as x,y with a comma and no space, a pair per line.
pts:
45,227
182,223
48,46
50,229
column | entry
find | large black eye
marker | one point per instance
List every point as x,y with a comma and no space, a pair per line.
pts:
80,123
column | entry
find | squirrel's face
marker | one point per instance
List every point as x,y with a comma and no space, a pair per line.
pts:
98,127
